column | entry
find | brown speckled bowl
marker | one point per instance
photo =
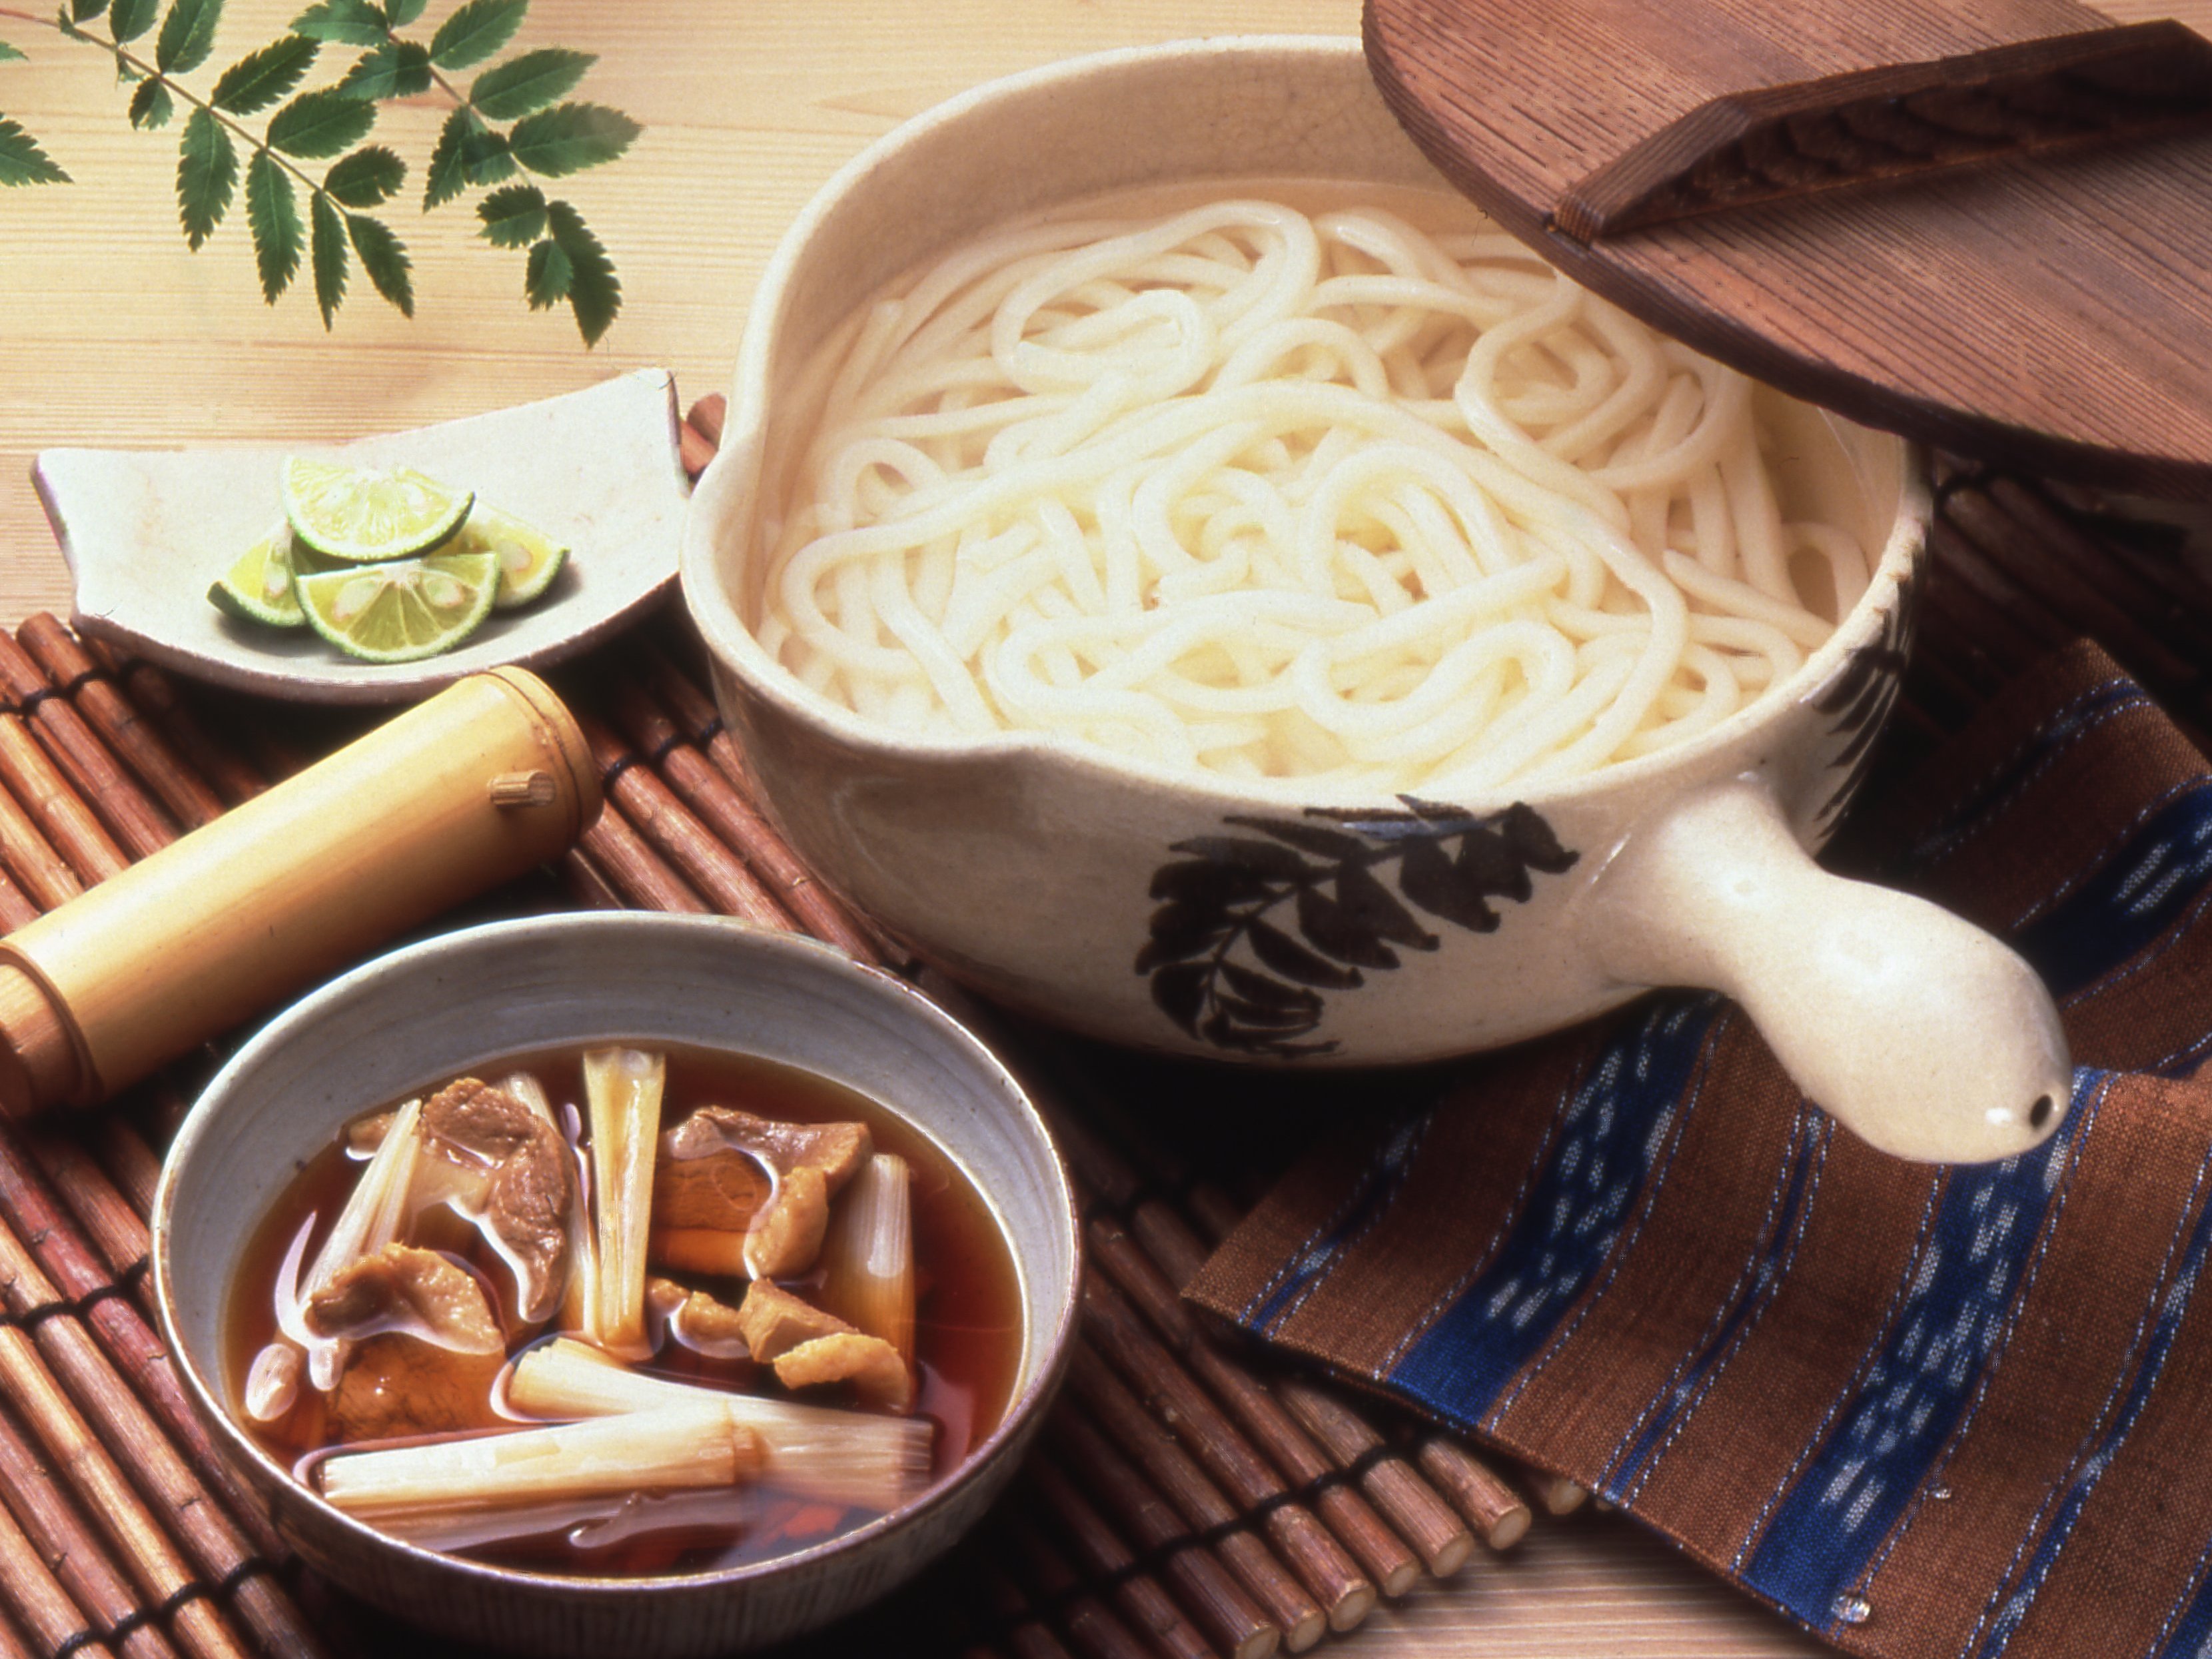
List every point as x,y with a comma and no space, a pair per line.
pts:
428,1012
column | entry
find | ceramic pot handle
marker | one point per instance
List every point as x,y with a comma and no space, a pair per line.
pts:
1923,1035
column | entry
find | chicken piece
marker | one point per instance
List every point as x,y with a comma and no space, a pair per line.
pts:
721,1191
835,1149
712,1327
773,1320
787,1234
808,1164
516,1183
871,1364
415,1292
395,1385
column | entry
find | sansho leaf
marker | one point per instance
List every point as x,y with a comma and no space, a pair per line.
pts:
467,152
545,278
82,10
397,68
403,12
273,213
528,82
512,217
21,160
187,35
475,32
151,106
8,54
385,258
260,78
366,176
594,292
207,172
128,18
321,123
343,22
569,137
327,244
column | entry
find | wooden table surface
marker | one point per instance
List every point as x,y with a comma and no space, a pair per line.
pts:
112,333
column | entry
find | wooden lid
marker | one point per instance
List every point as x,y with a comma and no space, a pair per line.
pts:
1986,224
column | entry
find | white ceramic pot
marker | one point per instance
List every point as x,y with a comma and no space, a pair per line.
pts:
1117,899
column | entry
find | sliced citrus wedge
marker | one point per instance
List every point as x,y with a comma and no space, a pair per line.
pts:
529,559
259,587
403,611
367,515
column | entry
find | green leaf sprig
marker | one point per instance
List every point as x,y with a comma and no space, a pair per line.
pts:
514,124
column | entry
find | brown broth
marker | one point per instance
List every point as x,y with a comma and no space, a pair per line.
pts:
968,1323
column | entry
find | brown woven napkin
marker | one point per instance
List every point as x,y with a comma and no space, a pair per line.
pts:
1957,1411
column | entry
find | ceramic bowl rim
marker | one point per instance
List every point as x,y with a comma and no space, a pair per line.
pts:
1052,1347
713,606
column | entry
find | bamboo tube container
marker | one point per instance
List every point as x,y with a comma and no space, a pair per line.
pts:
486,780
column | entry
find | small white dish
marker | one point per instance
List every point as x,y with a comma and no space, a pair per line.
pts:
146,531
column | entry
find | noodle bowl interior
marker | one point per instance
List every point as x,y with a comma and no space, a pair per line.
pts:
1338,486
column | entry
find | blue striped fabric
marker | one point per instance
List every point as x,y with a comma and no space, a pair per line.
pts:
1834,1505
1893,1419
1797,1185
1614,1127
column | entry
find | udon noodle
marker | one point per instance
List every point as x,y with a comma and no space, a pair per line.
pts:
1276,494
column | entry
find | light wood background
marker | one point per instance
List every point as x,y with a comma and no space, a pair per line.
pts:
111,333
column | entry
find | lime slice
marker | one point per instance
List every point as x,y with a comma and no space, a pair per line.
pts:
259,587
366,516
400,611
529,559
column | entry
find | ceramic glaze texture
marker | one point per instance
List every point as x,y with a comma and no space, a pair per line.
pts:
1177,912
430,1012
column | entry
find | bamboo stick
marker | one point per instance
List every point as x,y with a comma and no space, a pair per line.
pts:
109,1220
39,1600
710,794
1297,1461
1477,1491
1175,1250
1100,1550
1558,1495
2055,580
582,881
677,834
154,1562
65,821
129,1161
131,1344
1313,1553
52,1524
1009,1605
1203,1584
696,715
232,777
1087,1622
44,875
1431,1526
136,821
634,869
15,905
707,415
90,1384
1421,1516
1123,1420
129,733
693,449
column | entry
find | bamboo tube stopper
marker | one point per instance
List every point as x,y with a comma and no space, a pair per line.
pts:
485,779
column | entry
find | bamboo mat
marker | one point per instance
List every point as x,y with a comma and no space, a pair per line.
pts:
1186,1498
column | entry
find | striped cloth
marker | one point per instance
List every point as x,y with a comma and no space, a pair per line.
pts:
1962,1411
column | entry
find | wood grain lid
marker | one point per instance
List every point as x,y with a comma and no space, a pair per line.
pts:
1986,224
